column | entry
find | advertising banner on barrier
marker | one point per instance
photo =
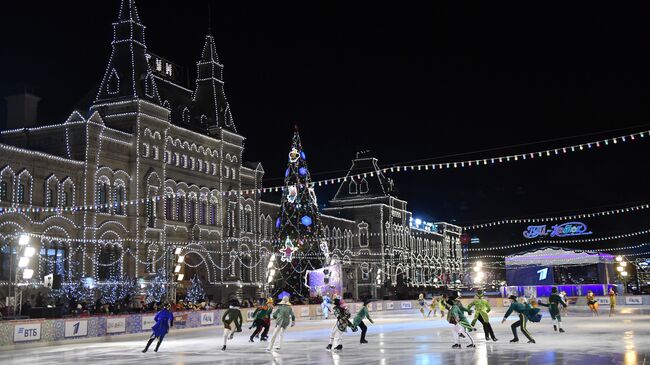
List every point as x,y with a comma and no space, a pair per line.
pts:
27,332
603,301
634,300
181,319
76,328
115,325
147,322
390,306
406,305
379,306
207,318
304,311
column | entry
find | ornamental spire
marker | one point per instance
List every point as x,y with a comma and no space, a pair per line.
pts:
128,75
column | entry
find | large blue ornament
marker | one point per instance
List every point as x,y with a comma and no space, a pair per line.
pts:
277,223
302,171
302,155
286,173
306,221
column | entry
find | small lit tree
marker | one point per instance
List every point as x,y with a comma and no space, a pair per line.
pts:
195,293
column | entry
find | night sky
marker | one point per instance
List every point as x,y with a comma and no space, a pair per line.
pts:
409,82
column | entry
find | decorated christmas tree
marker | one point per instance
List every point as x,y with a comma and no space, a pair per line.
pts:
195,293
298,228
157,287
117,289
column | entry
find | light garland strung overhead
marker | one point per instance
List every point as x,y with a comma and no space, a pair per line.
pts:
402,168
615,249
555,242
558,218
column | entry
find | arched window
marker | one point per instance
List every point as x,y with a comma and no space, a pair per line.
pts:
213,214
119,200
154,152
103,193
145,150
202,212
363,187
53,258
110,262
180,208
169,213
186,116
248,219
363,234
352,187
113,83
191,211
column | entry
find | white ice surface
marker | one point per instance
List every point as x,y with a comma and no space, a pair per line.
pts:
400,337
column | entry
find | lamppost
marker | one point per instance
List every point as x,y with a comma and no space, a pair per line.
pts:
479,274
621,269
25,252
180,260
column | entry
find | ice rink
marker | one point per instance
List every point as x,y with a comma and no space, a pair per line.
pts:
400,337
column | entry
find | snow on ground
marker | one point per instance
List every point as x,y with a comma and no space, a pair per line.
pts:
399,337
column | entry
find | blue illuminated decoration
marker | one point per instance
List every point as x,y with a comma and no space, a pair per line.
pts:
559,230
302,171
286,173
277,223
302,155
306,221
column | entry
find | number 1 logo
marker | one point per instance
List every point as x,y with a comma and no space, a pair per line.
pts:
542,274
76,328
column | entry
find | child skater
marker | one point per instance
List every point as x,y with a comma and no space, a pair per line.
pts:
482,309
554,302
433,307
422,304
612,302
522,310
164,319
342,323
461,325
262,320
592,303
231,318
284,317
358,320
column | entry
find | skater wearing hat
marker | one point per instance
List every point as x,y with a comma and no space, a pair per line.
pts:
231,318
461,325
522,311
164,319
262,319
342,323
284,317
482,307
358,320
554,302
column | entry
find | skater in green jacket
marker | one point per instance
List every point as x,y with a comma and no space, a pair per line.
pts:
554,302
284,317
482,307
358,320
522,311
461,325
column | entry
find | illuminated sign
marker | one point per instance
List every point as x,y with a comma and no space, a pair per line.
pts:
559,230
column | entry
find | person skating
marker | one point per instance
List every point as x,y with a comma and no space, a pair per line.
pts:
164,319
461,325
592,303
522,311
232,321
554,302
284,317
358,320
612,302
262,320
342,315
422,304
443,305
482,308
325,306
565,299
433,307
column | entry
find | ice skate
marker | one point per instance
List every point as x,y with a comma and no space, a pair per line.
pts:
456,346
329,347
363,341
251,339
495,339
338,348
531,341
471,345
555,328
223,348
514,340
562,330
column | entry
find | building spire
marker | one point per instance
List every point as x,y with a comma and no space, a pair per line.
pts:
128,75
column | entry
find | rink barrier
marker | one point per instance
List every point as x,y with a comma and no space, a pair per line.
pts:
41,332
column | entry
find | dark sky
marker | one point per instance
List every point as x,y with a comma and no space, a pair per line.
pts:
406,81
